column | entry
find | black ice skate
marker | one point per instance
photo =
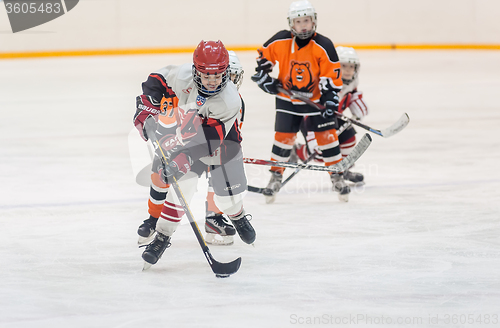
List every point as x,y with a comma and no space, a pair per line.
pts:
340,186
146,230
273,186
244,228
155,250
219,231
353,176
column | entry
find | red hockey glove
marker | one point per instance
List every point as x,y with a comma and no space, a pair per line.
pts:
177,167
358,107
146,106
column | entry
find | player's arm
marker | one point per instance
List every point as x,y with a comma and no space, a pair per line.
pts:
330,77
148,104
266,62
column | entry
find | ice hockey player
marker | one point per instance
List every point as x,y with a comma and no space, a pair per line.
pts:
208,106
218,230
309,65
350,98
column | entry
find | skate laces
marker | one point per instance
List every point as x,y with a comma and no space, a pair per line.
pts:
157,244
243,221
150,221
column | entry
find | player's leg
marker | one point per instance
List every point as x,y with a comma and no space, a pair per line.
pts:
347,140
230,185
286,127
157,194
328,142
170,217
218,229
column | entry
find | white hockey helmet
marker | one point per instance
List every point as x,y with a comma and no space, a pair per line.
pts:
348,55
302,8
235,69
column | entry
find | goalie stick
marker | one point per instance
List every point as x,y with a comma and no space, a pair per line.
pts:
221,270
341,166
386,133
294,173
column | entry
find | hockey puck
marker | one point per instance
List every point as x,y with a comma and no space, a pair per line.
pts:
222,275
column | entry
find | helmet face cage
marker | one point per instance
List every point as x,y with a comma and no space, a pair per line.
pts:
300,9
236,75
348,55
201,88
235,69
210,58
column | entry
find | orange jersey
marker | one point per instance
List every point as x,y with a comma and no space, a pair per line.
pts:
311,70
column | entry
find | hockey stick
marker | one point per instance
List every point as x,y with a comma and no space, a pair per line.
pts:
341,166
386,133
221,270
294,173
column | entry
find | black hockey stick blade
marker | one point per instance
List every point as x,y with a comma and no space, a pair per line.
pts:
255,189
223,270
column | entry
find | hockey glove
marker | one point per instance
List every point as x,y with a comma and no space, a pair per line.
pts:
146,106
358,106
331,102
177,167
266,83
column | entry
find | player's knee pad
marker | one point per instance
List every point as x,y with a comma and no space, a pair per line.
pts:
230,205
156,181
285,137
326,137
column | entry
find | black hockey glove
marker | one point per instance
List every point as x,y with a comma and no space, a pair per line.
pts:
266,83
331,102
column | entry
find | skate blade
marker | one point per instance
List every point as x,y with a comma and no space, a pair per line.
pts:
146,266
344,198
270,199
145,240
216,239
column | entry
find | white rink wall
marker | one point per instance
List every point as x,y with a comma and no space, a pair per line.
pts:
126,24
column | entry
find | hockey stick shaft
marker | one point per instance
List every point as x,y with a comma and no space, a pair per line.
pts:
220,269
341,166
297,170
294,173
395,128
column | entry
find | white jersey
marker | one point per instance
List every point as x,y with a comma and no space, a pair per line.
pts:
346,88
224,106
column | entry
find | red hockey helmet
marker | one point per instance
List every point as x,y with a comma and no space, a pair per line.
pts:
210,58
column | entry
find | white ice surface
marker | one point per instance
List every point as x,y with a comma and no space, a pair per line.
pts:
419,240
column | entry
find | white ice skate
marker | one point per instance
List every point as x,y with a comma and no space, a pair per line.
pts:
219,231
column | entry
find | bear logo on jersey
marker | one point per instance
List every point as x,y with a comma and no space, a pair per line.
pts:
300,77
